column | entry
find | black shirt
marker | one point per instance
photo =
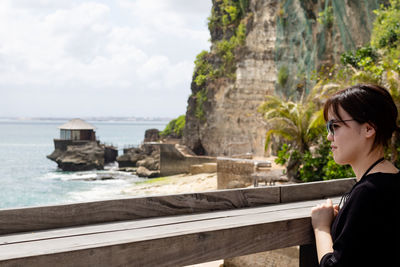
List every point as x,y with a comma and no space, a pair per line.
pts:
366,231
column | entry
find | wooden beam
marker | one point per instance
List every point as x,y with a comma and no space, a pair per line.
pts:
169,241
49,217
315,190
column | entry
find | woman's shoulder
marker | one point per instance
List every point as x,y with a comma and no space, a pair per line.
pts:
381,178
379,182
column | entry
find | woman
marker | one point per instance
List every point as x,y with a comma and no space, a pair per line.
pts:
364,231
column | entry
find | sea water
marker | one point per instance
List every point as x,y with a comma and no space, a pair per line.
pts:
28,178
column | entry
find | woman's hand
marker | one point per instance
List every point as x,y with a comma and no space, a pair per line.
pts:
322,215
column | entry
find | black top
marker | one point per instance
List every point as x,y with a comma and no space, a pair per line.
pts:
366,231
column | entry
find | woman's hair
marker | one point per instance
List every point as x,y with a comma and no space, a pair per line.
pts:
367,103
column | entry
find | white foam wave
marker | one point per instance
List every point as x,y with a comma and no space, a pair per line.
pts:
105,175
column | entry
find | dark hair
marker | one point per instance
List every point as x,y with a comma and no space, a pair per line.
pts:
367,103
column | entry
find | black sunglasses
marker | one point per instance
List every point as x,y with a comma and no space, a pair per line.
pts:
330,128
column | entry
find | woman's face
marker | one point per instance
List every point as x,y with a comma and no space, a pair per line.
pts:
346,142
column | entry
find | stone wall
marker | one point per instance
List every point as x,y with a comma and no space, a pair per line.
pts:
62,144
234,173
173,161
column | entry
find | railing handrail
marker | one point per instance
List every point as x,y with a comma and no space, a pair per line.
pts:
86,213
211,225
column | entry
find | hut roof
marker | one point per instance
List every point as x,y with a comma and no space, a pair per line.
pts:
77,124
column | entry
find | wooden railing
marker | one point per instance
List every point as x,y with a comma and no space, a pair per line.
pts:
171,230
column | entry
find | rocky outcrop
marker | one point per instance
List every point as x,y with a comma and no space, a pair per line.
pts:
289,39
144,172
130,157
146,158
151,135
84,157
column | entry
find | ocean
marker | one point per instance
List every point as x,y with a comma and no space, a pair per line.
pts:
28,178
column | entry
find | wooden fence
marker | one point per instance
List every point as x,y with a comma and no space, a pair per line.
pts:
171,230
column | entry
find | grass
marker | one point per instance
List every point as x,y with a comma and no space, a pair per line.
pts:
153,180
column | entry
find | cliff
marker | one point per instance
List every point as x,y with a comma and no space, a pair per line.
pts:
262,47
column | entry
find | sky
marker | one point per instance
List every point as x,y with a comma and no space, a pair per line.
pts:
121,58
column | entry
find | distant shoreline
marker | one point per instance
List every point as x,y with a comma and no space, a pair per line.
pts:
97,119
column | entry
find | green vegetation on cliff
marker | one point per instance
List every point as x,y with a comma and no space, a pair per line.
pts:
387,27
228,19
227,24
174,127
311,35
306,154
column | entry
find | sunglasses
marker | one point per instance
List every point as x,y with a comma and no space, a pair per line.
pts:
330,125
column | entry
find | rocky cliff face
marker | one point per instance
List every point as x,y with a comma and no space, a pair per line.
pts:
285,41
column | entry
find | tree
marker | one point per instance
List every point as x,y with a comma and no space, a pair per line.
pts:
297,122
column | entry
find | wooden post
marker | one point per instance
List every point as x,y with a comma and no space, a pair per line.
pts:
308,256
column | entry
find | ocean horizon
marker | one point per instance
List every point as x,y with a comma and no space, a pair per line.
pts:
28,178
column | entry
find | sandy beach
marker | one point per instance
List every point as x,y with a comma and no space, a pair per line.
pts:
182,183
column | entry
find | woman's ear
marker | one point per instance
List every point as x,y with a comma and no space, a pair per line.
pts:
369,130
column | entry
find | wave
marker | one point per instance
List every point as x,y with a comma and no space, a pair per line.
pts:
95,175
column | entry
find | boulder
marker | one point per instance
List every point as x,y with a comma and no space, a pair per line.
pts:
151,135
110,153
144,172
150,163
147,155
80,157
130,159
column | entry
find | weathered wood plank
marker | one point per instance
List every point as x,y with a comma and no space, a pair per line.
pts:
39,218
169,245
315,190
186,232
179,250
190,239
146,223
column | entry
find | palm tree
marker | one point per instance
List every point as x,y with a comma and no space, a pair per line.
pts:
298,122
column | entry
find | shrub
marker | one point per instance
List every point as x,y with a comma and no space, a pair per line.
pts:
316,166
361,54
201,98
203,69
174,127
326,17
386,30
283,75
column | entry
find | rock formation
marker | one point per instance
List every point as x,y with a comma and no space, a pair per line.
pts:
151,135
146,158
283,39
82,155
79,157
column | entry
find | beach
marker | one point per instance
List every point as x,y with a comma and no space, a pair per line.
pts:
182,183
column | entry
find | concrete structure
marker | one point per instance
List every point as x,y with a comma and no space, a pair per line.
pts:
203,168
238,173
174,159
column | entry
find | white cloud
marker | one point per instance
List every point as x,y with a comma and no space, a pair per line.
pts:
81,51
